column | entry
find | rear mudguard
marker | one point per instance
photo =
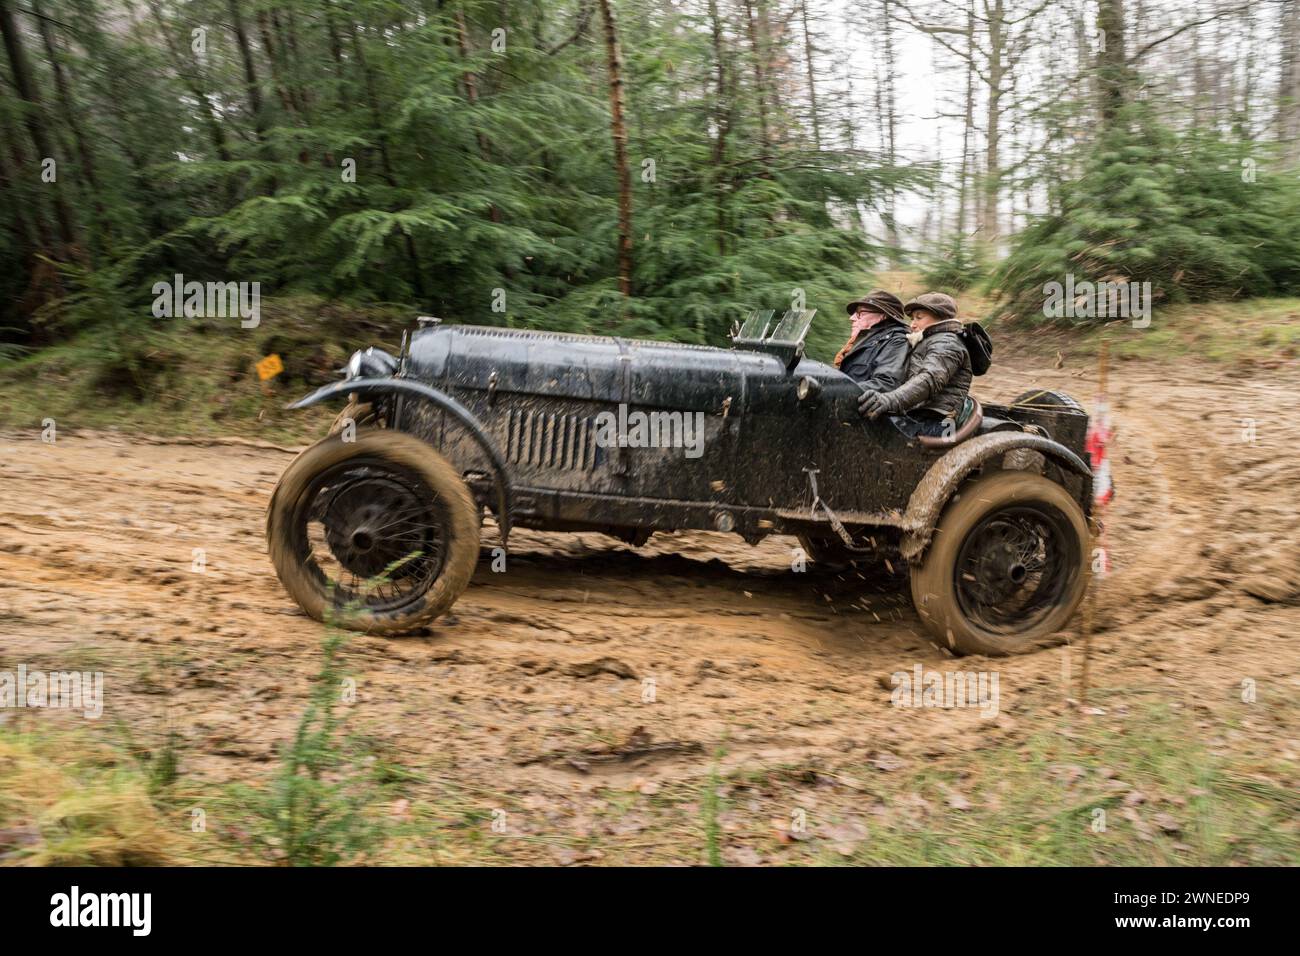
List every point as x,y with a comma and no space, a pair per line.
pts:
946,475
405,386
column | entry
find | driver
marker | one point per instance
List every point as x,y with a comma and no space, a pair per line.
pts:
875,356
933,397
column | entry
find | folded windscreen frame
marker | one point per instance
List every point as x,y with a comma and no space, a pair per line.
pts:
793,327
755,328
785,340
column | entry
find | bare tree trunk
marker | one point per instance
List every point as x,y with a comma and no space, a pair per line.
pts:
1200,81
618,126
1085,66
24,238
990,229
36,233
251,88
274,60
812,76
1244,108
760,79
1112,65
67,104
288,34
1288,104
43,283
34,115
891,133
1223,78
722,119
331,28
968,124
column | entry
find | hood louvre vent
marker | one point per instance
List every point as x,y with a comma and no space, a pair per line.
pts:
495,332
562,442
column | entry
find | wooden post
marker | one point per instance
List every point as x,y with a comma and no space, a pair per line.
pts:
1090,601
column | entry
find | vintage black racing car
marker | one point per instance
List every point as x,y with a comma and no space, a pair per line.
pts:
568,432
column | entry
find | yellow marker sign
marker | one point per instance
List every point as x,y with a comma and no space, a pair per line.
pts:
269,367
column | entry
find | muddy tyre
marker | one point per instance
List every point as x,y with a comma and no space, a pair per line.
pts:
1007,567
378,534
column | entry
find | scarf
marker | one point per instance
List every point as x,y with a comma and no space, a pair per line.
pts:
859,326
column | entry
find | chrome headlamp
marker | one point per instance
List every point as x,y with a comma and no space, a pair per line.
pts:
370,363
353,368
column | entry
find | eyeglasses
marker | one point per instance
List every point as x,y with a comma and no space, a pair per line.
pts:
865,311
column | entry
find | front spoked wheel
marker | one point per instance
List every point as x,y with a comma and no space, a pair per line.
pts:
1007,568
379,534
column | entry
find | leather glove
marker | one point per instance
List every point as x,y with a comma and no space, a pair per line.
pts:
873,404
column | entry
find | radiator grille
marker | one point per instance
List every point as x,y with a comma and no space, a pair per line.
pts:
544,440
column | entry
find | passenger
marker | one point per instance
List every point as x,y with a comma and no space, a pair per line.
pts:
875,356
932,401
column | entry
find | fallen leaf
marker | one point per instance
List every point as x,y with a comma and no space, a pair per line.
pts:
886,761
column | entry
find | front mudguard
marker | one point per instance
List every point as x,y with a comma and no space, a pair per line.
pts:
418,390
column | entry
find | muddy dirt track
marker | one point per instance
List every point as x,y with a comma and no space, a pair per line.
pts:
530,697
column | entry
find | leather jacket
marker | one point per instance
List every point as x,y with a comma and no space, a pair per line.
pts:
878,357
938,373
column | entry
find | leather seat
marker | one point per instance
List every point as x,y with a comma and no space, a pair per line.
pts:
970,427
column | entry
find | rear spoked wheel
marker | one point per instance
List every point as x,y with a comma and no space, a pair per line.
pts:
1007,567
1012,568
379,534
